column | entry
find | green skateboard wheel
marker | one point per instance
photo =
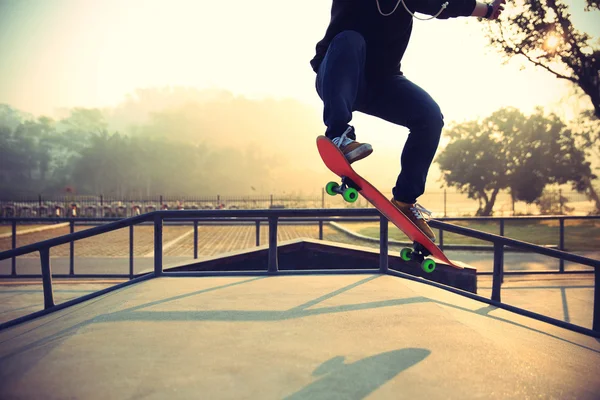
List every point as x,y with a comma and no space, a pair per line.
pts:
428,265
350,195
331,187
406,254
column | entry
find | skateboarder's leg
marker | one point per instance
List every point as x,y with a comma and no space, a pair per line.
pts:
340,80
401,102
341,84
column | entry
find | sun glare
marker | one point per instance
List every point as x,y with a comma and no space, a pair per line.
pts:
552,42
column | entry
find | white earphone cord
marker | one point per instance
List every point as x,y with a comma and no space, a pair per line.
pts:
410,12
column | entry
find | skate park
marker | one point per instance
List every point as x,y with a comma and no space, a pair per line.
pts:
165,229
301,318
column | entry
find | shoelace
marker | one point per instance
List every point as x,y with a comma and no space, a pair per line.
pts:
343,140
421,212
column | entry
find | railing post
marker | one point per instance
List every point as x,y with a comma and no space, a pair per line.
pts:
195,239
498,271
257,223
158,245
71,250
596,320
502,226
131,252
13,260
561,244
383,244
441,235
273,262
47,278
320,229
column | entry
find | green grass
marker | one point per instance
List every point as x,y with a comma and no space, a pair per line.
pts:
580,235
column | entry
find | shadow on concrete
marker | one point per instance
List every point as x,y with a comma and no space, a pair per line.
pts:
358,379
49,342
301,311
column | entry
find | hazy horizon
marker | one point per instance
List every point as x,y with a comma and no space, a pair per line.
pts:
62,54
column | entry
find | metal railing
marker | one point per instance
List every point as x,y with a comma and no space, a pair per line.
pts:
258,222
273,217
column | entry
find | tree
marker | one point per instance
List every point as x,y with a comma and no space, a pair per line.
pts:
180,141
509,150
26,155
588,128
542,32
11,118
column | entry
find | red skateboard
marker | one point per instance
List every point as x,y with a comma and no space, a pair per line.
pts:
352,184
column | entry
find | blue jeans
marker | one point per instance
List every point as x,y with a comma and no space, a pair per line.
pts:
344,88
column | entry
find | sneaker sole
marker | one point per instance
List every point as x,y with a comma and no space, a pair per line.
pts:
359,153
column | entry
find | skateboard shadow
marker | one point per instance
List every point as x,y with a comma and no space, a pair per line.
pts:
358,379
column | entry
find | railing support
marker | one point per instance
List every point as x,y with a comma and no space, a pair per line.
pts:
195,239
596,320
498,271
320,229
13,260
71,250
257,233
502,225
561,244
273,262
383,244
158,245
131,252
47,278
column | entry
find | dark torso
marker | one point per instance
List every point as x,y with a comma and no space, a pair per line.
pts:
386,37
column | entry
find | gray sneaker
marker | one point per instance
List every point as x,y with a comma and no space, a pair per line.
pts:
352,149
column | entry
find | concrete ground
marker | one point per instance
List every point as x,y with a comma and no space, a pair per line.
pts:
567,297
294,337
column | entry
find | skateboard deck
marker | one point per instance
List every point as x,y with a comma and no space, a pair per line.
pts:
335,160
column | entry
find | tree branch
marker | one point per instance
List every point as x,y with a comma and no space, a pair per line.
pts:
566,25
539,64
516,50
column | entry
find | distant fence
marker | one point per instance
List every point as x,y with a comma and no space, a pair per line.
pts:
442,204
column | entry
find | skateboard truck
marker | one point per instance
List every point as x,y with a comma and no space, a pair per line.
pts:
348,189
418,253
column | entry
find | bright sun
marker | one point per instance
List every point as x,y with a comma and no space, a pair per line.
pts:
552,42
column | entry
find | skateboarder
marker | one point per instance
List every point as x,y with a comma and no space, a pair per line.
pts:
358,69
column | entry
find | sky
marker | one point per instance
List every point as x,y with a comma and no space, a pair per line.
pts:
89,53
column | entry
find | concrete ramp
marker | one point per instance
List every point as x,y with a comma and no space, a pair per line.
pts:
293,337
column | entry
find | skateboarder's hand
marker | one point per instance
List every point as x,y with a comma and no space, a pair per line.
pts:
498,8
